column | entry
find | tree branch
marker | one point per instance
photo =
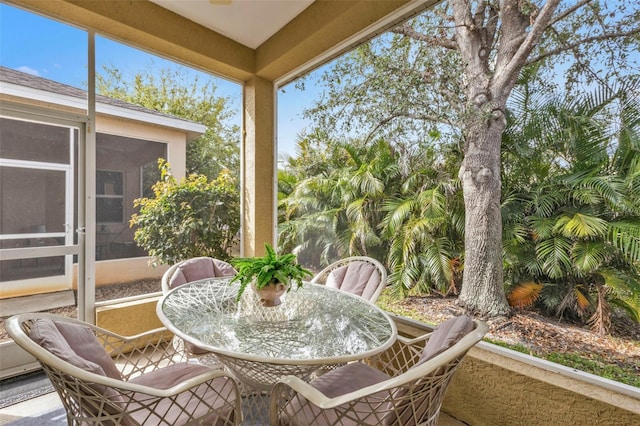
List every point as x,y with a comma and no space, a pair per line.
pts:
583,41
406,30
513,67
402,114
569,11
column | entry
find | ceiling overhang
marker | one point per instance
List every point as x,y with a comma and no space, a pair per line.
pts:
321,31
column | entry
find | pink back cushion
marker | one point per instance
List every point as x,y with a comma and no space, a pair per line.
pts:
359,278
223,269
199,268
445,336
45,333
86,345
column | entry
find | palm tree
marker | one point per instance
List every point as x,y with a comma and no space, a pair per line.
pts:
336,212
576,232
424,225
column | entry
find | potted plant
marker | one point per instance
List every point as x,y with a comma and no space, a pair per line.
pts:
270,275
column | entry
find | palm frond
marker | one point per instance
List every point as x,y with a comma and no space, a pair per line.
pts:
588,256
525,294
554,255
625,236
580,225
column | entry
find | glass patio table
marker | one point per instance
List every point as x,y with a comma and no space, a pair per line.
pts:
314,327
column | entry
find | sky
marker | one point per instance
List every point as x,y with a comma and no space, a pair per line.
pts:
58,52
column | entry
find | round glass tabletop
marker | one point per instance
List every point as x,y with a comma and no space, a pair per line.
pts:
314,324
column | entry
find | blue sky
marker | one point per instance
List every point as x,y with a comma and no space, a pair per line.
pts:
56,51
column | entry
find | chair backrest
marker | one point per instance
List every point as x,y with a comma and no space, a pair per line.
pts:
194,269
359,275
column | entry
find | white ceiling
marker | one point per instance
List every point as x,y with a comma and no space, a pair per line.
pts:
249,22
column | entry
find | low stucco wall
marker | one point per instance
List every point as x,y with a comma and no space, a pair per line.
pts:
497,386
129,318
494,389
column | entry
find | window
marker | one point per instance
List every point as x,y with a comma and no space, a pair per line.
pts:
109,197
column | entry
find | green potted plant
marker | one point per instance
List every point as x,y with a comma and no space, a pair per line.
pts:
270,275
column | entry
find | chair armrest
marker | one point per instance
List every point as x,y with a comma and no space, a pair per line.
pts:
319,399
410,342
180,388
125,388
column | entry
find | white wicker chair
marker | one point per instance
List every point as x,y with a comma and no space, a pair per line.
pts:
360,275
106,379
186,271
403,386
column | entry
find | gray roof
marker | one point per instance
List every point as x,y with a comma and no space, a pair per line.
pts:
8,75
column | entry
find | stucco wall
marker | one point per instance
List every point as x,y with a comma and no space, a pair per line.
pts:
495,386
130,318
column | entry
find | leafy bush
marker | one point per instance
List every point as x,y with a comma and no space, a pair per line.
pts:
188,218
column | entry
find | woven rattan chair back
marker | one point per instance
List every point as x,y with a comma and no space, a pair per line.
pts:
189,270
193,269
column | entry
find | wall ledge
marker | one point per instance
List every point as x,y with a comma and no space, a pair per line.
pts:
562,370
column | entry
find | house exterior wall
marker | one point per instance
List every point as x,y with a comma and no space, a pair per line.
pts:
176,140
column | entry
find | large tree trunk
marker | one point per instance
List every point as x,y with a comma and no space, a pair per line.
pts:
490,79
482,289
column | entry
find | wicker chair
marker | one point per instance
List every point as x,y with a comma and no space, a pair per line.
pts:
360,275
403,386
106,379
186,271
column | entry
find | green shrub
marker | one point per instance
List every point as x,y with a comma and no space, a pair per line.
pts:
188,218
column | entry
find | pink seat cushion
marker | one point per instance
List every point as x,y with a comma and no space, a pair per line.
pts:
166,412
343,380
359,278
445,336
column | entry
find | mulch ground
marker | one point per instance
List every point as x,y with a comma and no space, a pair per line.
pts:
543,335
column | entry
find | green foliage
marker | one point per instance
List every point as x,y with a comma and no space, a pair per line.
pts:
180,94
570,164
579,212
589,364
188,218
598,366
268,269
336,211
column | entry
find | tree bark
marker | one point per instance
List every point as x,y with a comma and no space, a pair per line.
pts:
482,289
